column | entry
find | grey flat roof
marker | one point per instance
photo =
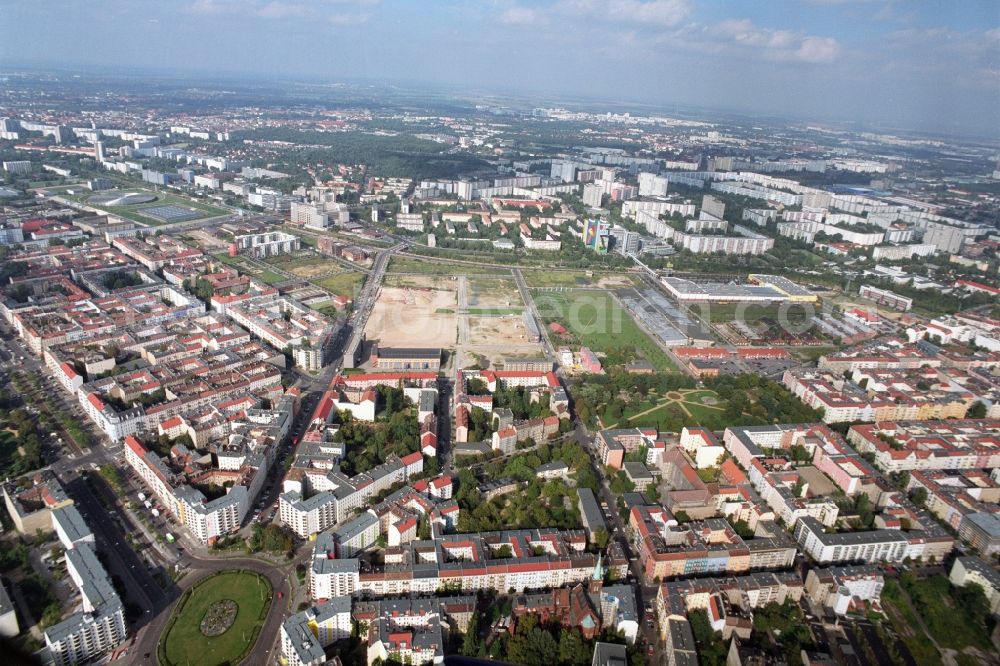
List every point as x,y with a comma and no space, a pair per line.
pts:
987,522
72,523
409,352
592,516
356,526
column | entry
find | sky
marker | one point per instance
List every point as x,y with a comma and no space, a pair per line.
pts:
929,65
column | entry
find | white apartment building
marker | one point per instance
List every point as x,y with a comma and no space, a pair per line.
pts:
410,221
268,244
966,570
902,252
872,546
305,634
632,207
17,167
593,195
944,238
311,215
99,626
652,185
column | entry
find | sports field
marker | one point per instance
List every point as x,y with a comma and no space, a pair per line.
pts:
185,641
199,209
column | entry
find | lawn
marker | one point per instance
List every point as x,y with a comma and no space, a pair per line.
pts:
812,353
541,279
494,312
305,265
594,319
184,643
342,284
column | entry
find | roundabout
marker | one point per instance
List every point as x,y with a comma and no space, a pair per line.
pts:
217,621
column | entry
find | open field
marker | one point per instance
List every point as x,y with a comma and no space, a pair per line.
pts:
414,317
184,643
305,265
205,241
493,293
342,284
811,353
501,331
430,266
264,275
543,279
309,238
595,320
446,283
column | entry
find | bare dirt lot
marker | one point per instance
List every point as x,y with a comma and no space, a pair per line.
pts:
615,281
414,317
493,293
308,271
504,331
499,338
819,484
447,283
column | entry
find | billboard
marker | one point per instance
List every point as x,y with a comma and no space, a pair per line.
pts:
595,236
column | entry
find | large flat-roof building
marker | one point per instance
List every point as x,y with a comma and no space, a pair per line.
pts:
406,358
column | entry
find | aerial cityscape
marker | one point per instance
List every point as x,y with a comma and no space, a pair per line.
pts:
630,333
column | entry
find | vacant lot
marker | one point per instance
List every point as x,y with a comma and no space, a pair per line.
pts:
448,283
262,274
545,279
414,317
184,642
305,265
504,332
819,484
341,284
493,294
595,320
431,266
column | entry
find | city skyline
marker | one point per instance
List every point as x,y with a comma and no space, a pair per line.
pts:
880,64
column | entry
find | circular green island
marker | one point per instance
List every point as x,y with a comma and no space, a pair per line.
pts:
217,621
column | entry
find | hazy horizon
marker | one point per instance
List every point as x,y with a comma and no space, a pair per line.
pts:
876,63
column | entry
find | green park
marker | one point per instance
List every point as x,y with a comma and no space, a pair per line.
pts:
217,621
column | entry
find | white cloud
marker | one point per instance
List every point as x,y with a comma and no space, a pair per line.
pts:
777,44
280,10
517,15
337,12
348,18
817,49
650,12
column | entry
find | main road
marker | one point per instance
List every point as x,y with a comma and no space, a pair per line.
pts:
364,303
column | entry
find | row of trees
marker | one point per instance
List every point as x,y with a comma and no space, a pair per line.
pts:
20,445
